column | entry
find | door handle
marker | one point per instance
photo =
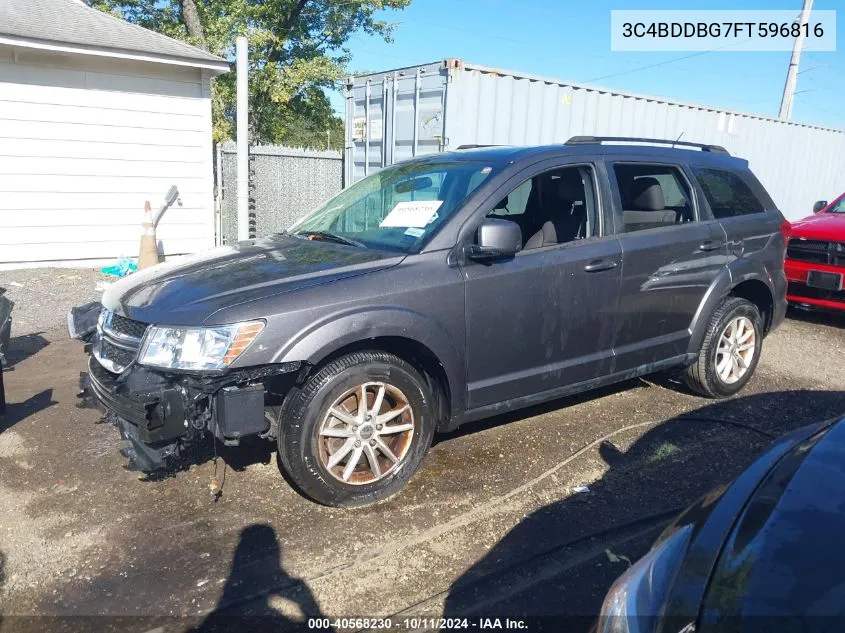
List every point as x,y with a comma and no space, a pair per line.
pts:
597,265
711,245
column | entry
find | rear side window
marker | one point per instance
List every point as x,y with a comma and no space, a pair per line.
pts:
728,194
652,196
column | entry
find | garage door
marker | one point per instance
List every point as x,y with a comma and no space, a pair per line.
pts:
85,141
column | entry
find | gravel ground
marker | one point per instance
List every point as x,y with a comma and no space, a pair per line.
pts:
43,296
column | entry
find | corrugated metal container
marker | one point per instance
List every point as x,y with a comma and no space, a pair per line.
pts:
406,112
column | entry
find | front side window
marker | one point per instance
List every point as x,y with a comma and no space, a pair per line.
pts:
397,207
554,207
838,206
727,194
652,196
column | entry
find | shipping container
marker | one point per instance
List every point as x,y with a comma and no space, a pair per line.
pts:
398,114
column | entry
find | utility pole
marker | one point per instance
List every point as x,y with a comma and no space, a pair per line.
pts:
792,73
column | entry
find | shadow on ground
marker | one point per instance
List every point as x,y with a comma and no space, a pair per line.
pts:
249,601
18,411
22,347
561,559
817,317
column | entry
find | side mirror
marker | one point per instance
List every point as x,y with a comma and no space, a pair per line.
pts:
497,239
821,204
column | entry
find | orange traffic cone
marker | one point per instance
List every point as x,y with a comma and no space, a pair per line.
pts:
148,255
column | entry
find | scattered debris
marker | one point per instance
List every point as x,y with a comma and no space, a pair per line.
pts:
615,558
215,488
202,582
16,284
121,268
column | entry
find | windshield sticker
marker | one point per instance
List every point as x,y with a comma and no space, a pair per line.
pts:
415,213
413,232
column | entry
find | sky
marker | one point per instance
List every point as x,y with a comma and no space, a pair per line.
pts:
570,40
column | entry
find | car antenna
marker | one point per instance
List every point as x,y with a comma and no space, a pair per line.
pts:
677,139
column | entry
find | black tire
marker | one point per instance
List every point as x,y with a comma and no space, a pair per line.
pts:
305,408
702,376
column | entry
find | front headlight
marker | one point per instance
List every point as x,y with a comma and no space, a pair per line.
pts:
197,347
635,602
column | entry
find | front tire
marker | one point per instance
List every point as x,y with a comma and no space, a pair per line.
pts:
357,430
730,352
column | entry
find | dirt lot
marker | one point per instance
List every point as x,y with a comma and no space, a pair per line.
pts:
491,526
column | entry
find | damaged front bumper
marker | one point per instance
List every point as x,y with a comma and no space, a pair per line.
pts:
160,413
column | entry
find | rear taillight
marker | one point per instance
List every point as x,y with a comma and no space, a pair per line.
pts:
785,230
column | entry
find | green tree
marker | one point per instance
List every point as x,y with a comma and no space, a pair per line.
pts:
298,49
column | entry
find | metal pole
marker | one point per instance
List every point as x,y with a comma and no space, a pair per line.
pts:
242,69
367,132
384,121
416,110
218,193
792,73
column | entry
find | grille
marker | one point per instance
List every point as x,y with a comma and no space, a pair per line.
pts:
817,251
125,327
119,356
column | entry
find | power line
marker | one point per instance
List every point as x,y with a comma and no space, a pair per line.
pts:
827,66
648,67
813,106
663,63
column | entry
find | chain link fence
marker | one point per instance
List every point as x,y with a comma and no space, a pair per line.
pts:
285,183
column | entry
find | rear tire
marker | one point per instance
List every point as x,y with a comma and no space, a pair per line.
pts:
338,453
730,352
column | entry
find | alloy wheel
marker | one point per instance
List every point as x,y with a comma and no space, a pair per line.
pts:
735,352
366,433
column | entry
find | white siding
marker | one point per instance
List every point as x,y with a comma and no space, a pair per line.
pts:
85,141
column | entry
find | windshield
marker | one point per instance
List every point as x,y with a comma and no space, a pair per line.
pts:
838,206
396,208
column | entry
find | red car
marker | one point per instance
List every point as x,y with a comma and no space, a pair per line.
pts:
815,257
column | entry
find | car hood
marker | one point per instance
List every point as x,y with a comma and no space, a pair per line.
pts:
822,226
191,290
714,520
784,556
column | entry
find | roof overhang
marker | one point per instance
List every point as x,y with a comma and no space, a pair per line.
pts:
218,68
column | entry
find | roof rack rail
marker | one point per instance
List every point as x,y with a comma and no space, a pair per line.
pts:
475,146
598,140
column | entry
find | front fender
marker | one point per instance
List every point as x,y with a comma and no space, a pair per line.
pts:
334,332
731,276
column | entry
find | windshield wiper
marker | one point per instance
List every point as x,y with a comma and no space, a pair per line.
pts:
330,237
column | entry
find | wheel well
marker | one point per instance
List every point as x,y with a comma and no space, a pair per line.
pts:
757,293
421,357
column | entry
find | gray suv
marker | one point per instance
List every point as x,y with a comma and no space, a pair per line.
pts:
442,290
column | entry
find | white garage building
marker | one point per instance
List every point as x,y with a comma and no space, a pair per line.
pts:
97,116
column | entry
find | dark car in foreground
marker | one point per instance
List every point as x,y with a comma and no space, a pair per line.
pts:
442,290
815,259
762,554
